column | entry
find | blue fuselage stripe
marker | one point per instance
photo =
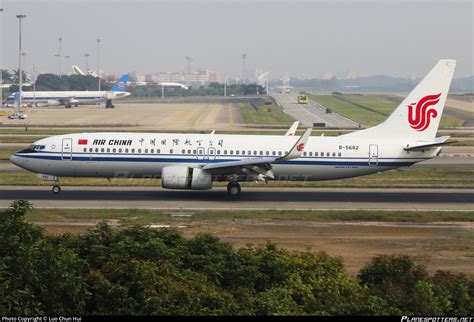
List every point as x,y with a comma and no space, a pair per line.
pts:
195,160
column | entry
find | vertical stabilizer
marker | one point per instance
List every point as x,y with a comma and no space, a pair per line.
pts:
418,115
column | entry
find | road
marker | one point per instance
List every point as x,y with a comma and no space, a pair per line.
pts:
250,199
312,112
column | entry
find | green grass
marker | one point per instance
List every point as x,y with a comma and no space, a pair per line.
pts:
5,153
369,109
144,217
275,115
461,178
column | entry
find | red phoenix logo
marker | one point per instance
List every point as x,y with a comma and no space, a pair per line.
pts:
300,147
120,85
420,118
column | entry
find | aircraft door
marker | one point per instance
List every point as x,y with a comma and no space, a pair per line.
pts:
211,153
200,153
373,155
66,149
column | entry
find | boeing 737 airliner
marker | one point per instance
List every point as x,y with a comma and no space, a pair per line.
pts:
69,98
194,161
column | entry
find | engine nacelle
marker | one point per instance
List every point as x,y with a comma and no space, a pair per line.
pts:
49,103
180,177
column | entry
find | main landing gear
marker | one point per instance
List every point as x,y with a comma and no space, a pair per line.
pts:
233,188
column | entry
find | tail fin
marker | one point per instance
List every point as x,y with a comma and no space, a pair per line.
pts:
418,115
121,84
16,100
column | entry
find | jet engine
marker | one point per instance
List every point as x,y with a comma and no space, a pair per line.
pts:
49,103
180,177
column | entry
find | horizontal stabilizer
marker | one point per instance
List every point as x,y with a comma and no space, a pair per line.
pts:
442,140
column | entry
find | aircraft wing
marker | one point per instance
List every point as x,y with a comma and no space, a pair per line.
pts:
66,100
259,165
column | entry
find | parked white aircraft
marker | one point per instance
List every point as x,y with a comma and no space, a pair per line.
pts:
69,98
194,161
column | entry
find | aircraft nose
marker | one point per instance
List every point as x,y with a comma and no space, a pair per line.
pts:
14,159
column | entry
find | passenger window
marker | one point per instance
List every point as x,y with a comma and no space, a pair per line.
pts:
126,150
261,152
249,152
157,150
189,151
316,154
237,152
273,152
225,152
139,150
114,150
328,154
85,149
334,154
194,151
171,151
108,150
102,150
120,150
279,152
146,150
218,151
304,153
231,152
96,149
183,151
339,154
254,152
267,153
152,151
133,150
310,154
90,150
322,154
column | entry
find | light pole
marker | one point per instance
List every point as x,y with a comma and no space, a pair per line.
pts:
19,60
98,61
243,67
59,59
23,62
60,39
87,62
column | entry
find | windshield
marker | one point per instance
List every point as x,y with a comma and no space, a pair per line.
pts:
32,149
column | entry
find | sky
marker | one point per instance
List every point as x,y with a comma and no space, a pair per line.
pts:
301,38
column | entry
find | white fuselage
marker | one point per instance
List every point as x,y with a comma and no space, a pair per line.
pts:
115,155
69,97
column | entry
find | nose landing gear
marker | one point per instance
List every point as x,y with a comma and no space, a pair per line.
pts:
233,189
56,189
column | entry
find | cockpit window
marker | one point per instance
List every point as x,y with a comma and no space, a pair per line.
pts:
33,148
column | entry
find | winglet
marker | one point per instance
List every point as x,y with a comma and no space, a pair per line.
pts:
298,148
213,132
292,130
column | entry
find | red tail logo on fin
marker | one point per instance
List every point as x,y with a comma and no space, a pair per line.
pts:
420,118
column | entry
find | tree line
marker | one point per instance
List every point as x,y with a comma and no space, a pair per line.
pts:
143,271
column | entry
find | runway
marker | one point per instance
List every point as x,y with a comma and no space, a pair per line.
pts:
250,199
312,112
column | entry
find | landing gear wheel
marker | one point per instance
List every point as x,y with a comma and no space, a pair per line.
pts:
56,189
233,188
